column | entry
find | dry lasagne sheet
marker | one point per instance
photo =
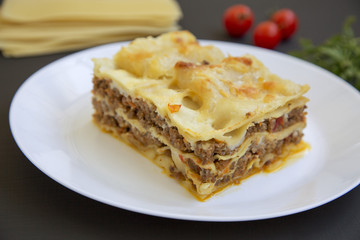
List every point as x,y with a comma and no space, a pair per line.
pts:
38,27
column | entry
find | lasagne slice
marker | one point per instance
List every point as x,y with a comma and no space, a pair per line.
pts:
208,120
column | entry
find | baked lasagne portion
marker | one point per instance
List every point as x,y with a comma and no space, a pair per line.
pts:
207,119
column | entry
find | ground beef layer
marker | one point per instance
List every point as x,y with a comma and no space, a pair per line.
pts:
227,171
147,115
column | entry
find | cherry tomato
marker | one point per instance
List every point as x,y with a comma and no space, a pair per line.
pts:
287,21
267,35
238,19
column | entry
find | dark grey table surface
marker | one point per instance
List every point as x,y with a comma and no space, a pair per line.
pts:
33,206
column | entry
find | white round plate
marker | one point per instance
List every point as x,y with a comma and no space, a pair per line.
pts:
50,119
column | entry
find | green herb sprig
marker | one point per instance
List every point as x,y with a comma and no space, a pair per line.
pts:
339,54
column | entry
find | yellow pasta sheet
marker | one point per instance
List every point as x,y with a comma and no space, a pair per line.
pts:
37,27
70,10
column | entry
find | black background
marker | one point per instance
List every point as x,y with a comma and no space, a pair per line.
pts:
33,206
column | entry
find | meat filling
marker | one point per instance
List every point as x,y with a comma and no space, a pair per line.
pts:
226,170
146,113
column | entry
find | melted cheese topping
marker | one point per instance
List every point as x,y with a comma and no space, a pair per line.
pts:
156,57
218,100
